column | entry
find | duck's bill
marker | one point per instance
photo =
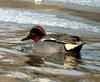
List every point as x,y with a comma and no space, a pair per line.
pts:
26,38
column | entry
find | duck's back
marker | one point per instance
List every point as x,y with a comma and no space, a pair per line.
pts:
64,37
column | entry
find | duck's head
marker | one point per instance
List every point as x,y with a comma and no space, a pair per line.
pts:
36,33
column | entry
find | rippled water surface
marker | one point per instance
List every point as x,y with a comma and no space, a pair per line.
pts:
18,64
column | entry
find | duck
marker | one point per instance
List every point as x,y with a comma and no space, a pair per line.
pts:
52,43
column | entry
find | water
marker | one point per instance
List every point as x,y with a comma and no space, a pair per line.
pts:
49,18
16,57
85,5
95,3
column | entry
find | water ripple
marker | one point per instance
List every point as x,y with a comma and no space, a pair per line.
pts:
48,19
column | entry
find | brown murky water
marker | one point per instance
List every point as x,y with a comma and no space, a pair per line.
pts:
18,64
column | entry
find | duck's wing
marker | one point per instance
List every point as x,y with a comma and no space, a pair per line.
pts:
55,41
66,38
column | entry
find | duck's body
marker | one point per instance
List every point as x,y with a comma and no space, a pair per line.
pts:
53,43
47,47
56,43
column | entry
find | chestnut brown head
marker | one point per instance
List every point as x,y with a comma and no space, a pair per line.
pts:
36,33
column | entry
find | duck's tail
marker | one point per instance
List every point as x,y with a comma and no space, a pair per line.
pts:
73,47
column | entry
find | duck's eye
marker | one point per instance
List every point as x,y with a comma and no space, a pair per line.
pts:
32,34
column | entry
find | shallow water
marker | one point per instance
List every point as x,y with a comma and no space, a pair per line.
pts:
17,64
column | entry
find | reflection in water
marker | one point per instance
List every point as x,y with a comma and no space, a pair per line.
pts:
35,60
71,62
68,60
